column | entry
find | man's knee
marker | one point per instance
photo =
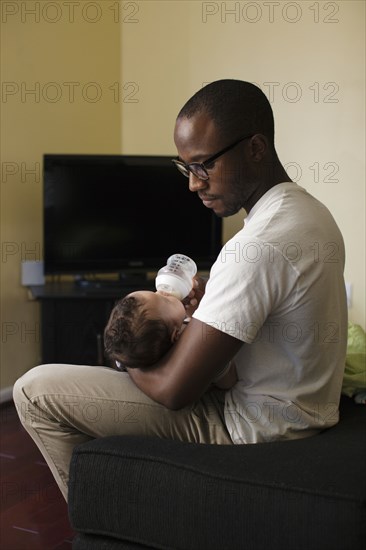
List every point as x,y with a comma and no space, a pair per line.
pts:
32,384
37,377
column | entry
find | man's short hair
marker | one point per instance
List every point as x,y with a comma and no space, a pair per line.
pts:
236,107
133,339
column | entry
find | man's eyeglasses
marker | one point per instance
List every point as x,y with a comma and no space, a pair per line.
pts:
200,169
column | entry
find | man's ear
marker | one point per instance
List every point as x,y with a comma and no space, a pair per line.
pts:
259,147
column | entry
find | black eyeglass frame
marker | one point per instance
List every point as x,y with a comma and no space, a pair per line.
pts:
193,166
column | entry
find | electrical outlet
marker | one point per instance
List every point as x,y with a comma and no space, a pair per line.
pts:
349,294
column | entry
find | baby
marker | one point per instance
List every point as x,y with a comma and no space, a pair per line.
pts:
143,326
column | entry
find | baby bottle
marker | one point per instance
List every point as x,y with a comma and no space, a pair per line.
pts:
176,277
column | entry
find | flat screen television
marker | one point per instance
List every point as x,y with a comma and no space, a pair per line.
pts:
122,214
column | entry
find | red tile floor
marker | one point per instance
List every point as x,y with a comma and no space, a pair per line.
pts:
33,511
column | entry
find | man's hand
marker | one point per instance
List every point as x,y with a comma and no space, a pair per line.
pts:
195,296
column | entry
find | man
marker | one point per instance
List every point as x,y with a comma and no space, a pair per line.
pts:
275,302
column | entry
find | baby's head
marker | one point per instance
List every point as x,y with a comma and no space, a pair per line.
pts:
142,327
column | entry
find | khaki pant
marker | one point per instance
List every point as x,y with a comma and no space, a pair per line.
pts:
64,405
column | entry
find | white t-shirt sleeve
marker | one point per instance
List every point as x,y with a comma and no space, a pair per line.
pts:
248,282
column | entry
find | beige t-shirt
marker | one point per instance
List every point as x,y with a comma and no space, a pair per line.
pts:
278,286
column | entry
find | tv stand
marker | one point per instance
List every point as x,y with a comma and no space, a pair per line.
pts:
125,280
73,318
133,278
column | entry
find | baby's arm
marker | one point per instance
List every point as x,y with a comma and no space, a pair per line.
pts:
227,378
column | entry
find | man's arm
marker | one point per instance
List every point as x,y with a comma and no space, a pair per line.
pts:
185,372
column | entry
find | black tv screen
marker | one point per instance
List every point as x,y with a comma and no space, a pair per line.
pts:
115,213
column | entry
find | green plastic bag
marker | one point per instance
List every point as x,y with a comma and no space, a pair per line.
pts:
354,380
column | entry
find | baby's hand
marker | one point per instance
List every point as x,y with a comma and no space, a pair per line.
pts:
193,299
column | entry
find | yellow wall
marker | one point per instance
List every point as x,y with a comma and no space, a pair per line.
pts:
307,56
42,49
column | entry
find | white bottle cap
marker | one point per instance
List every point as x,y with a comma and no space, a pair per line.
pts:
176,286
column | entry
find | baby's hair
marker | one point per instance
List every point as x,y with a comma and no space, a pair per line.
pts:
133,339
